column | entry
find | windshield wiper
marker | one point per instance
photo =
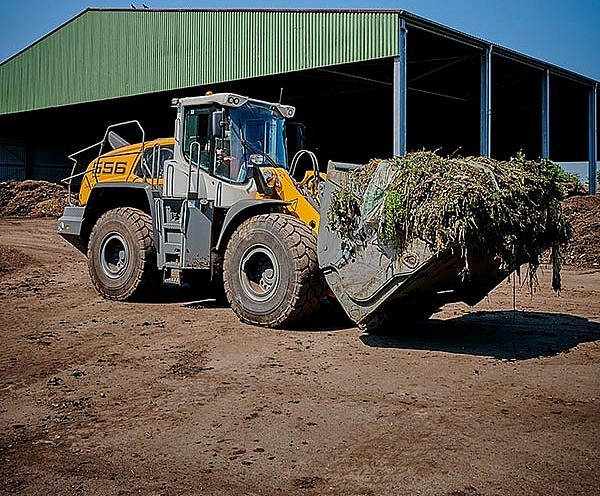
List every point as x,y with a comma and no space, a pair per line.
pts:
254,149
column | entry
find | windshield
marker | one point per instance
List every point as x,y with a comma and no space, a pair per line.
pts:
256,129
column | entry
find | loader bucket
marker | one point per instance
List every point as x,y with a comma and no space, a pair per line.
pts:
377,285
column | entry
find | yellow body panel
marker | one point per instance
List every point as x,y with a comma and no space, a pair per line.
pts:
287,189
120,166
117,166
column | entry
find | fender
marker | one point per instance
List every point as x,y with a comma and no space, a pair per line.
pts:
241,211
76,223
126,185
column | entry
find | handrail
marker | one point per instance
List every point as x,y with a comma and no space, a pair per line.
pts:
156,156
198,155
69,180
198,167
169,183
146,171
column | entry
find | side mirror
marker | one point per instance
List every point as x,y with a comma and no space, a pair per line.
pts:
218,126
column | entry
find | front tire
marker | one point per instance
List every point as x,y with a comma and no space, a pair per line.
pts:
271,273
121,254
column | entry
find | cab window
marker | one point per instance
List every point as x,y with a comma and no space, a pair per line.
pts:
230,163
196,142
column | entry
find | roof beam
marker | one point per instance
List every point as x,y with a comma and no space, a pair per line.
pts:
356,76
440,68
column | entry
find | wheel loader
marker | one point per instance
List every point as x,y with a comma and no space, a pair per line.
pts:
219,204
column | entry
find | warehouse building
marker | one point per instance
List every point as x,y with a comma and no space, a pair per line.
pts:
365,84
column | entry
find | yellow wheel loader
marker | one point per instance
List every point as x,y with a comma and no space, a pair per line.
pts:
219,203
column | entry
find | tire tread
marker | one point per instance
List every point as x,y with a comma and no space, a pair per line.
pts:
147,276
308,286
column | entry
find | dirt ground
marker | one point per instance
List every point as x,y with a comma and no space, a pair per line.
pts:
98,397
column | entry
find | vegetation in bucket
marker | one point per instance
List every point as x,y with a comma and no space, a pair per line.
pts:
505,209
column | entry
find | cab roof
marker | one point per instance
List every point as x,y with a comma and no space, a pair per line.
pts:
232,100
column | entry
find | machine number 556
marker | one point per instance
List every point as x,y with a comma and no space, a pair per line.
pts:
111,168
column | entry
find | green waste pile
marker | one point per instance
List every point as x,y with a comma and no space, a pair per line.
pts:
504,209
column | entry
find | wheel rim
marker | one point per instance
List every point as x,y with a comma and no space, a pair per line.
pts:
259,272
114,255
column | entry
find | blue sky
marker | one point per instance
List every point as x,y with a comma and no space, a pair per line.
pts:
565,33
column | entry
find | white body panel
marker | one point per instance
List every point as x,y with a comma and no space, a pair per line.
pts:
222,193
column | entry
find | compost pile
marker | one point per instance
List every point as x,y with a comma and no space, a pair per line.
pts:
477,205
584,214
32,199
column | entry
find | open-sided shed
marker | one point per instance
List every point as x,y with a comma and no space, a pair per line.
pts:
365,83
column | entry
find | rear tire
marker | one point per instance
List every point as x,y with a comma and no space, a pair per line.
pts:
121,254
271,273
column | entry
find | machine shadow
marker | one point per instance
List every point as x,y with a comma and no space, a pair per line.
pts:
503,334
189,297
329,317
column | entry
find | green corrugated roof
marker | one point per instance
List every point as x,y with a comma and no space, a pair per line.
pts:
103,54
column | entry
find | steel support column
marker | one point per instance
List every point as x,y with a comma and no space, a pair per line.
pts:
593,138
546,114
485,118
28,148
399,89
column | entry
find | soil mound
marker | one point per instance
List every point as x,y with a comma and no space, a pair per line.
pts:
11,259
584,214
32,199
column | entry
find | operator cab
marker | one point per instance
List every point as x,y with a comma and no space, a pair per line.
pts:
223,140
